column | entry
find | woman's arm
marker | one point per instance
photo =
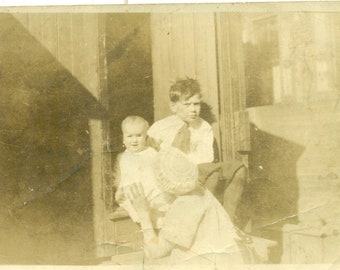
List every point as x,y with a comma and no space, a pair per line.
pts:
154,246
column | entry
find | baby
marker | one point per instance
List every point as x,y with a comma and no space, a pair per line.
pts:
136,165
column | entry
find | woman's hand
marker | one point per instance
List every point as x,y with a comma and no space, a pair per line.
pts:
135,194
154,246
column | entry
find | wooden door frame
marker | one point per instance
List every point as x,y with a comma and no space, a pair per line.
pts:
234,125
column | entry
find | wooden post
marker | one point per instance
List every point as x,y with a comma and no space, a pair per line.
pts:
233,119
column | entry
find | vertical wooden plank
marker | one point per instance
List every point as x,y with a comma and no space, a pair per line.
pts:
169,51
22,18
211,63
107,192
237,62
65,47
206,63
79,54
85,36
231,80
223,52
201,50
177,44
241,92
50,33
188,49
35,26
183,45
88,36
155,20
95,127
90,49
85,62
162,62
211,60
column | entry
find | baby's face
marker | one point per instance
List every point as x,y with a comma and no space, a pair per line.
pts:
134,137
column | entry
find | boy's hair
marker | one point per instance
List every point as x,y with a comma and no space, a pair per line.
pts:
135,119
185,88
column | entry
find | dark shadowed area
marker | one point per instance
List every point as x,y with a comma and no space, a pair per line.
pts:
129,68
271,198
45,182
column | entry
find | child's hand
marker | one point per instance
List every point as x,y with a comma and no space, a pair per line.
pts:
135,194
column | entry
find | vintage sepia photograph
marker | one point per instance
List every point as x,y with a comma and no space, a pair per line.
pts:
195,135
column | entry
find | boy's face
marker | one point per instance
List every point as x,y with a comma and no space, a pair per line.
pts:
134,137
187,109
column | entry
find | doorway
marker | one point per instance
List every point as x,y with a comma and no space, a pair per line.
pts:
129,71
129,91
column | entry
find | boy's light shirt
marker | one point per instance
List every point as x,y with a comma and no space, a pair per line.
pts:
201,140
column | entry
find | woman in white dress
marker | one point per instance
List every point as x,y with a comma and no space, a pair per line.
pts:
196,229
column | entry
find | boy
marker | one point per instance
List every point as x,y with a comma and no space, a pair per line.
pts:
184,129
191,134
136,165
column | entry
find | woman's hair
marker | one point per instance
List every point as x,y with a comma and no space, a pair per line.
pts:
135,120
185,88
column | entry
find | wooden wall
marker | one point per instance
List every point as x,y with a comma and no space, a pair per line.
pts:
205,46
234,119
183,45
75,41
72,39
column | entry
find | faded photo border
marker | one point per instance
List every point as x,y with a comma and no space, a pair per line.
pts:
94,110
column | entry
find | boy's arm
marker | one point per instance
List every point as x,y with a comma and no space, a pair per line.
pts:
153,139
154,143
